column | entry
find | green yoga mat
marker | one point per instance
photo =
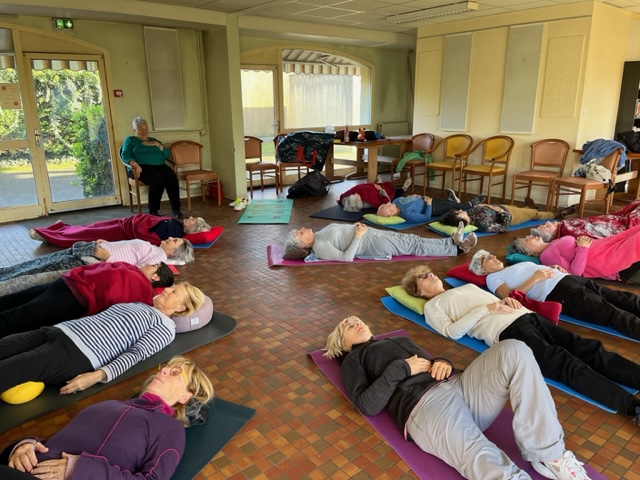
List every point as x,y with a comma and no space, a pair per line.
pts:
205,441
266,211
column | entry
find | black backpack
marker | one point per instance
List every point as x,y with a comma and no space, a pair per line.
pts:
313,184
631,139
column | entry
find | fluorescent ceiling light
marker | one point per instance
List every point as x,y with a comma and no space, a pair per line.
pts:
419,15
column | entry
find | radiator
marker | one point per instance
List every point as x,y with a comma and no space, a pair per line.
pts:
393,128
390,129
169,137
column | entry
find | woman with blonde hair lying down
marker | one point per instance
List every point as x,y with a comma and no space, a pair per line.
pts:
141,437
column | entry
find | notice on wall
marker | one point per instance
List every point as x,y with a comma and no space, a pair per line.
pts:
9,96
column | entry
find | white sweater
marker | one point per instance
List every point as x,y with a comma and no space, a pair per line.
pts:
463,311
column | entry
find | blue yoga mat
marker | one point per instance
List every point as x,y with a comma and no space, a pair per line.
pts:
529,224
479,346
455,282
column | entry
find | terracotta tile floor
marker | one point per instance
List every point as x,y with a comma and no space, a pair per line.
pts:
304,428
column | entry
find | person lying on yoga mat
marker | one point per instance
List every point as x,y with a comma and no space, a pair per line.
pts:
345,242
135,252
370,195
85,290
141,437
498,218
150,228
445,410
580,363
96,348
420,209
597,226
610,258
580,297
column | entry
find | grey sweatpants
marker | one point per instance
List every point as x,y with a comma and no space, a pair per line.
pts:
381,243
449,419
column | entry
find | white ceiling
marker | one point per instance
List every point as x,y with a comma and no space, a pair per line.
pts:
370,14
306,15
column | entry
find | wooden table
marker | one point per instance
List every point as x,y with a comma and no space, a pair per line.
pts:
370,164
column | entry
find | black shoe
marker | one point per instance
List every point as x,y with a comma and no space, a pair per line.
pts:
478,199
560,213
529,203
155,214
178,214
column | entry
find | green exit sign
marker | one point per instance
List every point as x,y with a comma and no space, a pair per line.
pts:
63,23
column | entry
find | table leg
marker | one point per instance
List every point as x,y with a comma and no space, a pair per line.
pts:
372,164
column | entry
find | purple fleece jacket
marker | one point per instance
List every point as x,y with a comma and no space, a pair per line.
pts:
121,440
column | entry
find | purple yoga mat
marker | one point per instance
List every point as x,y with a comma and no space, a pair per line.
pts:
275,253
424,465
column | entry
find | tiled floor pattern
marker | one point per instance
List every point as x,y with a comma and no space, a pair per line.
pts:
304,428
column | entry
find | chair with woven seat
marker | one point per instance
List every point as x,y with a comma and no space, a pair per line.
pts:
255,165
570,185
421,142
134,185
453,150
284,166
551,155
496,154
186,157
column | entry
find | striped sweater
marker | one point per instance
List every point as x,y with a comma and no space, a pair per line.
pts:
121,336
135,252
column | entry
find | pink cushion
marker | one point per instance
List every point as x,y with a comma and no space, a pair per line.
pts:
198,319
204,237
462,272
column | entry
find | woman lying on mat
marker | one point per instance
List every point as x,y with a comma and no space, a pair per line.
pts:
580,297
135,252
498,218
610,258
580,363
448,421
597,226
150,228
96,348
345,242
419,209
141,437
370,195
85,290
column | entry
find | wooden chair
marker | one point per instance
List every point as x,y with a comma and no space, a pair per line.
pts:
186,157
254,163
284,166
570,185
496,153
551,155
453,148
134,185
422,142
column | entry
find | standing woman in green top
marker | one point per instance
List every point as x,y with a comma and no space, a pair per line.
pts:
146,156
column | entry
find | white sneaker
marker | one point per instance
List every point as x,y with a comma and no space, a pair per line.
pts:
378,179
567,468
406,184
395,176
458,235
452,195
242,204
235,202
36,236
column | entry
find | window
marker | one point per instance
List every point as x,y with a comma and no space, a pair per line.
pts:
322,89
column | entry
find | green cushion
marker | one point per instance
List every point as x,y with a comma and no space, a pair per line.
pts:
514,258
373,218
400,294
448,229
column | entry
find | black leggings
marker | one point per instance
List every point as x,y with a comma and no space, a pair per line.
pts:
159,177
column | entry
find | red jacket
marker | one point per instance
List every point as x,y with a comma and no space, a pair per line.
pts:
100,285
371,194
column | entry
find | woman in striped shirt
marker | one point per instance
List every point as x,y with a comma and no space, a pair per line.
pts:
97,348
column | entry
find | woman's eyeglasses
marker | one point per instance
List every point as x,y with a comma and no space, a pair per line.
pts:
424,275
174,372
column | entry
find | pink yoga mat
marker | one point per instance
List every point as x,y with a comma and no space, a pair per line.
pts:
424,465
275,253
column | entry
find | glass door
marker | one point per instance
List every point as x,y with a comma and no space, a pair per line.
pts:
71,131
260,106
18,188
